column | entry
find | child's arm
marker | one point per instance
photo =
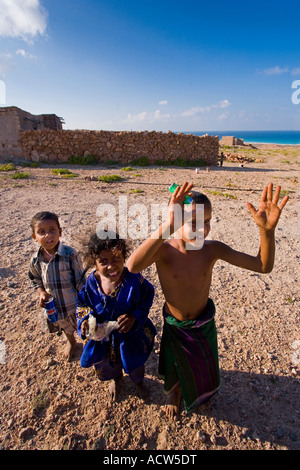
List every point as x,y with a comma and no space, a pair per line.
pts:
266,218
79,276
82,314
37,283
148,252
141,298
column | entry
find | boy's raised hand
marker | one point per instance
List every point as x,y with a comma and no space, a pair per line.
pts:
268,212
180,193
177,198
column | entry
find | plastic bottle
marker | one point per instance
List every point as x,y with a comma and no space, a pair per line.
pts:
187,200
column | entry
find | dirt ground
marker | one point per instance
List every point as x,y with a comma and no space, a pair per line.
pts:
47,403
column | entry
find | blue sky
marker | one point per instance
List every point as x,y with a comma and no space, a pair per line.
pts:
153,65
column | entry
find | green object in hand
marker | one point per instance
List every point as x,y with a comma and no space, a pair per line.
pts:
187,200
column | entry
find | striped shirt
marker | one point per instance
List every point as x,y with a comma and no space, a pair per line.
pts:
61,277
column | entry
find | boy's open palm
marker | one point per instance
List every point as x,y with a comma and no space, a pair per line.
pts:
268,212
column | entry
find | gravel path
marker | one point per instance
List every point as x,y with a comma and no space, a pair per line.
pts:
47,403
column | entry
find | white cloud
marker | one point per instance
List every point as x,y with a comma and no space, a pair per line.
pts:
25,54
193,111
6,55
21,52
137,117
276,70
7,61
163,102
296,71
150,117
223,104
202,109
223,116
22,19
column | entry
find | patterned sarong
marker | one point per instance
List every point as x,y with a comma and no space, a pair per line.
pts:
189,357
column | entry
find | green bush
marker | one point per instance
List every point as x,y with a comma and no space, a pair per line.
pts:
30,165
183,162
162,162
69,175
179,162
142,161
111,162
109,178
83,160
136,191
60,171
19,175
7,167
197,163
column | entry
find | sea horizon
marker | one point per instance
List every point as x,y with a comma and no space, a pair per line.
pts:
259,137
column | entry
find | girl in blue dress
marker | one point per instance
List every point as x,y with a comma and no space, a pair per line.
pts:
113,294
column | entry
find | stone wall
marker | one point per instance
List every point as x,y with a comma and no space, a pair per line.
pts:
54,146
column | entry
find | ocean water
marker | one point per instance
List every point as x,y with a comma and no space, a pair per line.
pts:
266,137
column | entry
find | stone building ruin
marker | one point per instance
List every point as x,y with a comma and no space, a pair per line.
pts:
13,120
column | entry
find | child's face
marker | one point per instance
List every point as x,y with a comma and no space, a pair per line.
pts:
193,232
47,234
110,264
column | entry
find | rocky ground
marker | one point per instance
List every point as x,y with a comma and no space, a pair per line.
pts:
47,403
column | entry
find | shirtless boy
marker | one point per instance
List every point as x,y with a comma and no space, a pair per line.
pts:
189,354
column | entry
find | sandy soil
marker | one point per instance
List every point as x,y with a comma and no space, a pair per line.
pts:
47,403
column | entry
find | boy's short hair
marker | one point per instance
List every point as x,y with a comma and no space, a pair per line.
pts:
200,198
44,215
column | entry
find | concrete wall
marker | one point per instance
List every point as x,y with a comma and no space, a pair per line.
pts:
52,146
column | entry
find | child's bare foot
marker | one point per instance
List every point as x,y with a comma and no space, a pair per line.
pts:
142,390
113,388
69,349
173,403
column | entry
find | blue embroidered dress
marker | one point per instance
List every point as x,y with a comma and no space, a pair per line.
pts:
135,296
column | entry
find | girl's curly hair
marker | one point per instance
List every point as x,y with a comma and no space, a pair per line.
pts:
94,245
